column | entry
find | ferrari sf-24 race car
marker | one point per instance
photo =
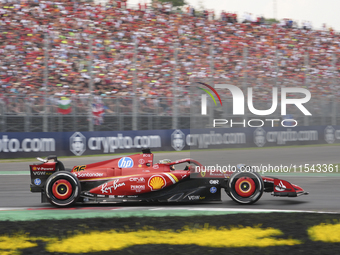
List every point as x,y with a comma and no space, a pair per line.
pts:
136,178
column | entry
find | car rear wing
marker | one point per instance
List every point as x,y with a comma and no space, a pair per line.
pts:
40,172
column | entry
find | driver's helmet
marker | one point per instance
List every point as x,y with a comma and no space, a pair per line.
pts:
165,161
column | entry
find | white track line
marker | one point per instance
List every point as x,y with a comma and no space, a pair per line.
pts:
202,209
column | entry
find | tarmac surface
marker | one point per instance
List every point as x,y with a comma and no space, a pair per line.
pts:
324,188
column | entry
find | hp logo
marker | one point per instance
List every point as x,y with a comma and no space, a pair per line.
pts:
125,162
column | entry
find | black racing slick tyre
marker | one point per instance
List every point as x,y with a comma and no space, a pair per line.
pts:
62,189
245,187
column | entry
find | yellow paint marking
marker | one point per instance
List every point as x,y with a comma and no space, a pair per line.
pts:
325,233
11,245
115,240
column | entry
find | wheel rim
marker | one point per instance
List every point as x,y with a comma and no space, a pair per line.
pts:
62,189
245,187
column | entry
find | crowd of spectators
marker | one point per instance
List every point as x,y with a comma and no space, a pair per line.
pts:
156,47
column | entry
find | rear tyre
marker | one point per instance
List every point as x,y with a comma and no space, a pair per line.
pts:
62,189
245,187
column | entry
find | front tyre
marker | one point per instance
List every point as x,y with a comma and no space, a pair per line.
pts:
245,187
62,189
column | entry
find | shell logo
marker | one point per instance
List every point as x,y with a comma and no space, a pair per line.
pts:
34,168
156,182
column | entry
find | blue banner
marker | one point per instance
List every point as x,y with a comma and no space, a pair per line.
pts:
25,145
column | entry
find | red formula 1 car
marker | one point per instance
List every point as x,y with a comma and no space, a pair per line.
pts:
137,178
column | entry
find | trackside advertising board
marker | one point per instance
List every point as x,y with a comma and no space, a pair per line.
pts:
25,145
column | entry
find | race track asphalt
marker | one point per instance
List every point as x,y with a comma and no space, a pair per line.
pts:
324,188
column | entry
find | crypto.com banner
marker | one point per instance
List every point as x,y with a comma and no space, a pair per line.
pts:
219,138
25,145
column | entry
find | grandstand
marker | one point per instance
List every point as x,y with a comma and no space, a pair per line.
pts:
120,67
